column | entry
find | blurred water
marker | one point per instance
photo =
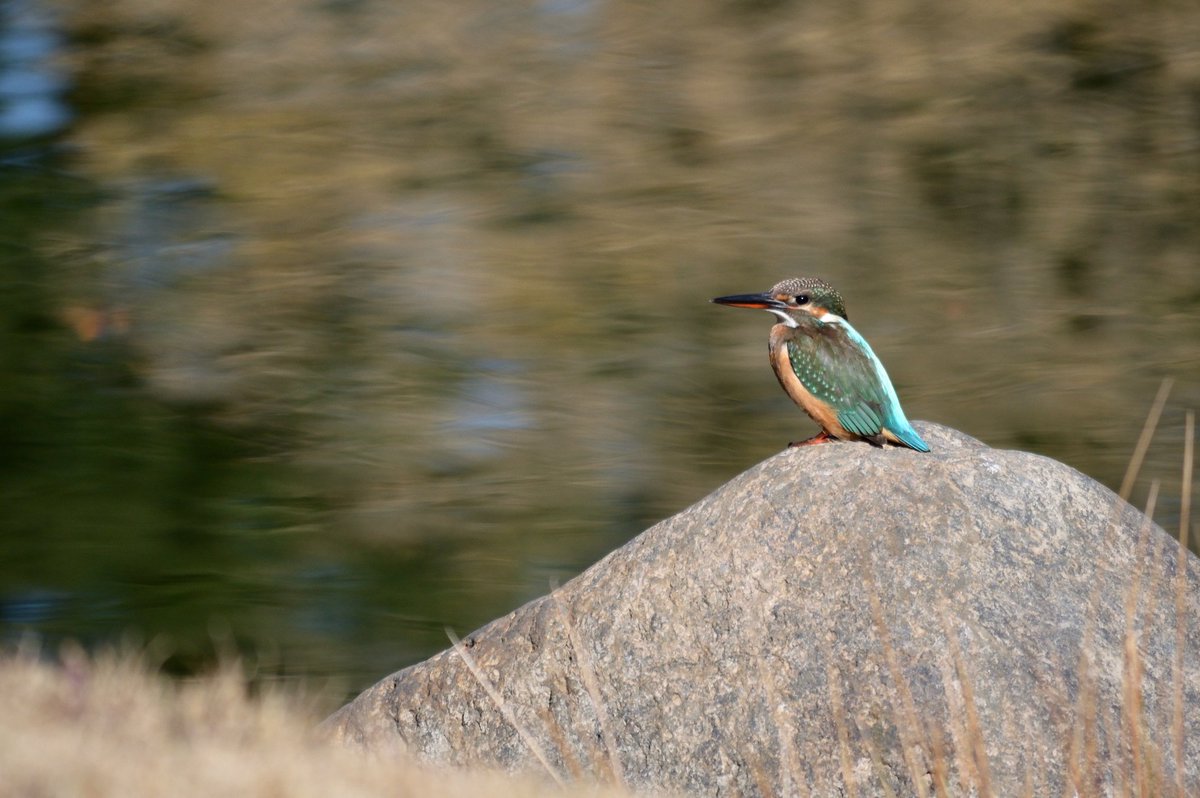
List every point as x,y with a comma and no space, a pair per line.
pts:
330,328
32,84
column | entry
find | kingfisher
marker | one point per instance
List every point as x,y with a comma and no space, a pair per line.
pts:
827,367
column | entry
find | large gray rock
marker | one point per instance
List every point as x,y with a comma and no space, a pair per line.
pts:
841,620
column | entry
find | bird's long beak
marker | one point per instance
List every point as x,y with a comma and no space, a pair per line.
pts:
759,301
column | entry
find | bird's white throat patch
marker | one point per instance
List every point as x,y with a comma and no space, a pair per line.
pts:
784,317
825,318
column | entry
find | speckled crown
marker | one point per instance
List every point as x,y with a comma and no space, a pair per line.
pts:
819,292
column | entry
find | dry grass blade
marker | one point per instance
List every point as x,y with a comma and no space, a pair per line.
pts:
1108,726
791,779
569,758
908,725
967,745
955,712
1143,443
1180,600
837,705
1132,682
759,775
1085,757
979,758
504,708
592,685
881,771
1083,762
940,772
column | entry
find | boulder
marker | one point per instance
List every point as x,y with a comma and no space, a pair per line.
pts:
841,620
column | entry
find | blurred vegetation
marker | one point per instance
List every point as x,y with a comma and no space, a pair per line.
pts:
338,323
80,726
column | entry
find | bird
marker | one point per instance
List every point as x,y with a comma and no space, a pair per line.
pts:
827,367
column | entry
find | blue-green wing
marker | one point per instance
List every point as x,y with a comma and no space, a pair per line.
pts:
844,375
837,366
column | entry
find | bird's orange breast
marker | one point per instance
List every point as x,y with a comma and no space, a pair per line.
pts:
818,411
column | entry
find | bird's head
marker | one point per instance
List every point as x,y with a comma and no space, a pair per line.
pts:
792,300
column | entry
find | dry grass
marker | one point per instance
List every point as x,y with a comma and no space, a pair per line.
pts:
106,726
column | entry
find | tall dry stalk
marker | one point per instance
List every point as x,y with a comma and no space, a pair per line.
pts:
908,725
1181,564
1131,708
1083,755
592,685
975,764
833,681
1143,442
503,706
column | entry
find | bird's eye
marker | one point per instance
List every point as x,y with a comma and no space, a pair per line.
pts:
801,299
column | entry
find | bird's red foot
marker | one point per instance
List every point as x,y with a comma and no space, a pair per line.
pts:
820,437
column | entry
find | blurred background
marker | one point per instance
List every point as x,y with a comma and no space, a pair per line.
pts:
328,324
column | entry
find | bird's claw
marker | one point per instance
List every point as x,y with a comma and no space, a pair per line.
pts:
821,437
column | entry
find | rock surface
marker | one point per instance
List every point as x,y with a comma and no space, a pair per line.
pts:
840,620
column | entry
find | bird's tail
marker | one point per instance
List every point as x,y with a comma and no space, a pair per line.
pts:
908,436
